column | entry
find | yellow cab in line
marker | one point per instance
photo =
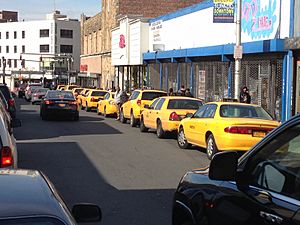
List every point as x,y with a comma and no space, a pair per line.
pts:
225,126
165,113
91,98
107,106
81,94
70,87
60,87
134,106
76,91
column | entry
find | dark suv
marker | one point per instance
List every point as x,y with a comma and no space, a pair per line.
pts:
10,100
262,187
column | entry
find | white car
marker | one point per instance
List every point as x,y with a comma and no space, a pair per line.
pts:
8,146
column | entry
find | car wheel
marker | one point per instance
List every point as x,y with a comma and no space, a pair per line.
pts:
143,128
82,107
76,117
98,112
44,117
104,112
211,147
159,131
88,109
133,121
122,118
181,139
33,103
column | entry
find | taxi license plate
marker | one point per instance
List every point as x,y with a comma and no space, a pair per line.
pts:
61,105
258,134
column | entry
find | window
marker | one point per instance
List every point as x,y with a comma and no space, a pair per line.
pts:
44,48
7,35
134,95
66,49
200,112
184,104
15,34
98,93
106,97
0,35
7,49
44,33
9,63
23,34
0,51
210,111
15,63
276,167
15,49
152,95
153,103
23,48
160,104
66,33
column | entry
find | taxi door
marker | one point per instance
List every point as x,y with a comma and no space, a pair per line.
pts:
155,113
147,113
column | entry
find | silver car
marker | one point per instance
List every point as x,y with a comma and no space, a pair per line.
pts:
38,94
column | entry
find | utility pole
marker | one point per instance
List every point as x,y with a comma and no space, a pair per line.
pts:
238,51
4,65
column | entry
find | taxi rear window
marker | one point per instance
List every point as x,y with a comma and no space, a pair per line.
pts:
152,95
98,93
243,111
184,104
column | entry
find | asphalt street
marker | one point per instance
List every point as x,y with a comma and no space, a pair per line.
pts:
131,175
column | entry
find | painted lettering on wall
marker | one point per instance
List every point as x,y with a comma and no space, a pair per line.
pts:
259,21
122,43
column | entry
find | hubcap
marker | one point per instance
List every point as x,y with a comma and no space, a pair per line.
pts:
210,147
181,138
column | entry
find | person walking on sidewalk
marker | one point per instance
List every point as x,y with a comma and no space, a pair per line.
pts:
118,101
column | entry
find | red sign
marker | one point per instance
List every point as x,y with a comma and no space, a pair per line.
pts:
122,41
83,67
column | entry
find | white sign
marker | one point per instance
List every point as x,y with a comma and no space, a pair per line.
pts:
238,52
156,29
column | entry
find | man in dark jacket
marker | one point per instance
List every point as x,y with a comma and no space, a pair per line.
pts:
245,96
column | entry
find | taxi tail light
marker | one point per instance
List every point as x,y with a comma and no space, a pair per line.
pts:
11,102
174,117
48,102
139,102
6,157
246,130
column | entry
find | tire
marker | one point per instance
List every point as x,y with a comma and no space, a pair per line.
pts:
122,118
211,147
181,140
33,103
104,113
159,131
143,128
76,117
44,117
82,107
133,121
98,112
88,109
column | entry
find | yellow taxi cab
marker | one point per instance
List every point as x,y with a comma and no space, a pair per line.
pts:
107,106
91,98
222,126
76,91
81,95
134,106
165,113
70,87
60,86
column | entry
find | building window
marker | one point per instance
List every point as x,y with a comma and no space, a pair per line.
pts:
0,49
23,48
15,63
15,49
66,33
15,34
9,63
44,33
23,34
44,48
66,49
7,49
7,35
0,35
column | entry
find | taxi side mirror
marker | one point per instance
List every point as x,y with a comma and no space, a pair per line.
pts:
189,115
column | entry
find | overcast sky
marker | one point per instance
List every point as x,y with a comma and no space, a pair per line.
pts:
37,9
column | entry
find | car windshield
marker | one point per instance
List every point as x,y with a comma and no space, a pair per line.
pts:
98,93
41,90
152,95
32,221
79,90
59,94
184,104
34,88
244,111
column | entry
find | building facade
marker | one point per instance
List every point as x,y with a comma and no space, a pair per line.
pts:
8,16
47,48
187,48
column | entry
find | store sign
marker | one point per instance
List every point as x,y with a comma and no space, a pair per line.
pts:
122,43
259,18
156,29
223,11
83,67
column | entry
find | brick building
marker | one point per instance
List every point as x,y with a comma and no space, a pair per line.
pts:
98,61
8,16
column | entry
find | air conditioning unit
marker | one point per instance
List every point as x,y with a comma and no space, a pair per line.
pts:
158,47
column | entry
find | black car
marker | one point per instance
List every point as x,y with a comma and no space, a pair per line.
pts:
262,187
9,99
28,197
59,104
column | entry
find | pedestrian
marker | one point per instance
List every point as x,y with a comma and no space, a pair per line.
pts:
245,96
188,93
118,101
182,90
171,92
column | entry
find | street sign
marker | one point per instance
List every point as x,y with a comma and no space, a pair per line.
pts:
238,52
